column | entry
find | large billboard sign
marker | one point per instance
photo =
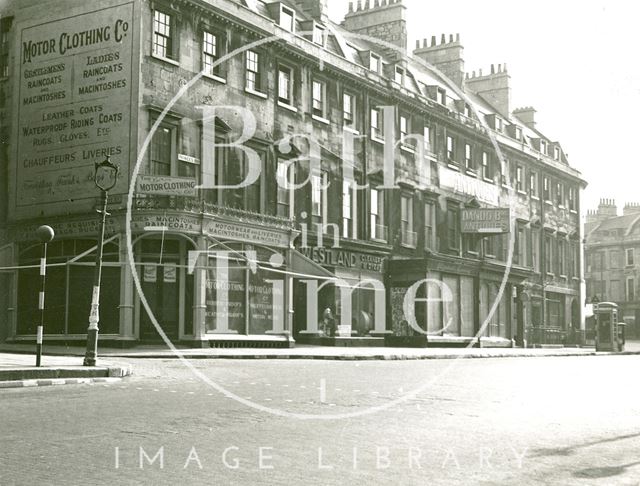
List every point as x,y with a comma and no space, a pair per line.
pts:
485,221
74,105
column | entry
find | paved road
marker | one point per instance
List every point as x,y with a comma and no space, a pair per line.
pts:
572,420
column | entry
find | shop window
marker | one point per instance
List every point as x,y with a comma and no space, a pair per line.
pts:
377,221
164,35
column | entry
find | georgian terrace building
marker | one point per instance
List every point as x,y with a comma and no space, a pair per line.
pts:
81,82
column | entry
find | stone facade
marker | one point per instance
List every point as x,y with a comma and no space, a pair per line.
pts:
452,148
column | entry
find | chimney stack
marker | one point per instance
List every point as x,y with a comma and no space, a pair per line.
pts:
493,87
527,115
607,209
385,20
316,9
631,208
446,56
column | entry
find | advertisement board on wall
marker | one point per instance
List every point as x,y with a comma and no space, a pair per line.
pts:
75,98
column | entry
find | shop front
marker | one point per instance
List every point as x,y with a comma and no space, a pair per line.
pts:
351,290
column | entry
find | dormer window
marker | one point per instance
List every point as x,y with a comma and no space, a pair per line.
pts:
556,153
375,63
399,75
467,111
499,125
318,35
287,18
442,96
518,133
543,147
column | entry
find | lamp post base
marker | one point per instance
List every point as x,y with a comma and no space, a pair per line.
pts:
92,348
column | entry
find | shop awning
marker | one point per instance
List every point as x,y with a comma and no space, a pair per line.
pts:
303,266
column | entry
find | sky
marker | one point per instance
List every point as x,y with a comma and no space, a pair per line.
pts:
576,63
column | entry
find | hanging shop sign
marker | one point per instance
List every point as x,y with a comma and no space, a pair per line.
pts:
166,186
485,220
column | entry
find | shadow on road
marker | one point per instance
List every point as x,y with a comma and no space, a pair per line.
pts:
605,471
569,450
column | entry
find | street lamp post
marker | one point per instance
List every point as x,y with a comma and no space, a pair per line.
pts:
105,178
45,234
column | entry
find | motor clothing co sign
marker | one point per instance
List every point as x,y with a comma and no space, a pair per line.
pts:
485,221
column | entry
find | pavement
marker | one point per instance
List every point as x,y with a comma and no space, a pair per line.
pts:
63,364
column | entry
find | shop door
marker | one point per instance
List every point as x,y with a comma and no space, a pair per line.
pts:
161,289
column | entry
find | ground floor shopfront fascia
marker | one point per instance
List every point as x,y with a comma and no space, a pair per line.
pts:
353,288
455,300
205,279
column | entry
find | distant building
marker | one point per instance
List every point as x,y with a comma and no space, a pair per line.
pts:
612,259
81,80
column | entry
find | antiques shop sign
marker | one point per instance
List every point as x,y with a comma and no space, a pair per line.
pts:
485,221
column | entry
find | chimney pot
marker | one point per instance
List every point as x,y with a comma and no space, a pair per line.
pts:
350,7
457,37
479,72
493,71
417,43
450,37
443,39
433,40
367,5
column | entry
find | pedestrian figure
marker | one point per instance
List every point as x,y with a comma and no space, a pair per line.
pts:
329,322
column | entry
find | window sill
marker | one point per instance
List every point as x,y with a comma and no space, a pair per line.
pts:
521,192
535,198
378,140
471,172
165,59
351,130
287,106
453,167
320,119
213,77
379,240
256,93
486,179
546,201
408,245
407,148
573,211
